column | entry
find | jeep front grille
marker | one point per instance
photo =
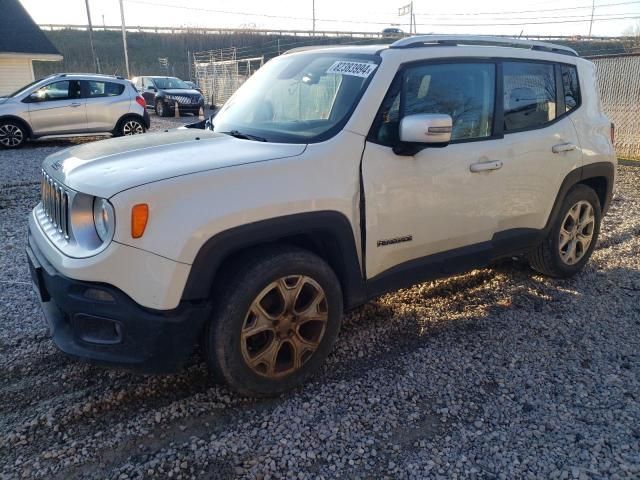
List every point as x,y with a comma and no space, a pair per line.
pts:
55,204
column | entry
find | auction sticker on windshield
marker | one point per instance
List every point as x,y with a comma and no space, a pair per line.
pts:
358,69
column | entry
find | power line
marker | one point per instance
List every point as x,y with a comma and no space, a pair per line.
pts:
431,15
531,11
361,22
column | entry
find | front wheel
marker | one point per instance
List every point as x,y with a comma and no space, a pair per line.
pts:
278,319
573,236
161,108
12,134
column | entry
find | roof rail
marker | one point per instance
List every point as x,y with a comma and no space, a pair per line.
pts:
80,74
309,47
453,40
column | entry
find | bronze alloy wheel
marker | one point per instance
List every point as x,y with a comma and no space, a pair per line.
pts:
284,326
576,232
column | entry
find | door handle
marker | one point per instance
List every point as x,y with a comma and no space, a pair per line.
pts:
484,166
74,105
563,147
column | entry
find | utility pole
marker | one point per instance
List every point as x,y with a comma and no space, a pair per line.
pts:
593,8
96,65
411,18
124,40
313,8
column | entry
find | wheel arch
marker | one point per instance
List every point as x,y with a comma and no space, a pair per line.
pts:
21,121
127,116
599,176
326,233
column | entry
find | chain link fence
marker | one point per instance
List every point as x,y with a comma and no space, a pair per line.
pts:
219,73
619,84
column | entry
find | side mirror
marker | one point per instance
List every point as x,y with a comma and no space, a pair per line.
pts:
422,130
152,88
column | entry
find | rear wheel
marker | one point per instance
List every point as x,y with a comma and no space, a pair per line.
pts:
572,237
12,134
278,319
131,126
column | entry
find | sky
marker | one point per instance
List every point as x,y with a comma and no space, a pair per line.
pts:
504,17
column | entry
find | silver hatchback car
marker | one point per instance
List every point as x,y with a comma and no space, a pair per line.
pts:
66,105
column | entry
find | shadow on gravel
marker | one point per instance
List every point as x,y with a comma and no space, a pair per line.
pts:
81,399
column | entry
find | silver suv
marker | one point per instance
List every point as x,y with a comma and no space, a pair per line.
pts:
65,105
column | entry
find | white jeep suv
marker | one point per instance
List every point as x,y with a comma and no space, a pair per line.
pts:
332,176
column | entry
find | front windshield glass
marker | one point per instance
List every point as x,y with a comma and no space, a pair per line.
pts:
170,82
301,98
26,87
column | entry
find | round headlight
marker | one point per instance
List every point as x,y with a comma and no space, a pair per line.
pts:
103,218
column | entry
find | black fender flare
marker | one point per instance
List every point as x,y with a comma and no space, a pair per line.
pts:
331,228
582,174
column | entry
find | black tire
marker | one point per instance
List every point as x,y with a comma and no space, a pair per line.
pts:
251,276
12,134
161,108
547,257
130,126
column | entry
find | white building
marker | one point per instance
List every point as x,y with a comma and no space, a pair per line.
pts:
21,42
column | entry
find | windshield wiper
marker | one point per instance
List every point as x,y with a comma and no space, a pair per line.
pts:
245,136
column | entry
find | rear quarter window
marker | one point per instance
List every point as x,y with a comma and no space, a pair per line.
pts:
571,87
104,89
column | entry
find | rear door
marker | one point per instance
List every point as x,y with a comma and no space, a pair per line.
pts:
58,108
106,103
541,142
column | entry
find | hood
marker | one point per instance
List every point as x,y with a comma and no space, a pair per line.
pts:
107,167
3,99
180,91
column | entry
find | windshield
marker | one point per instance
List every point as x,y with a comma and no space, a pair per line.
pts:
27,87
170,82
298,98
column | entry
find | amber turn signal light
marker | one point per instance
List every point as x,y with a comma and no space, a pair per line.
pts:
139,217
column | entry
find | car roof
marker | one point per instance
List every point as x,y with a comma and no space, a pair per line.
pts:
84,76
503,44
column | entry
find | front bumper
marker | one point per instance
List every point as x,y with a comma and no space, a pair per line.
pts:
99,322
185,107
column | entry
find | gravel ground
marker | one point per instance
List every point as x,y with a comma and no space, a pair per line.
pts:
499,373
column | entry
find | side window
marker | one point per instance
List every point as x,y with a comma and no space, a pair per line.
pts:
529,95
65,90
465,91
138,83
104,89
571,87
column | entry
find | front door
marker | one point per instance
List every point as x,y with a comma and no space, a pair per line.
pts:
440,199
58,108
149,91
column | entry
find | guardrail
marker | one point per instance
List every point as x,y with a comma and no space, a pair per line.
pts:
293,33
